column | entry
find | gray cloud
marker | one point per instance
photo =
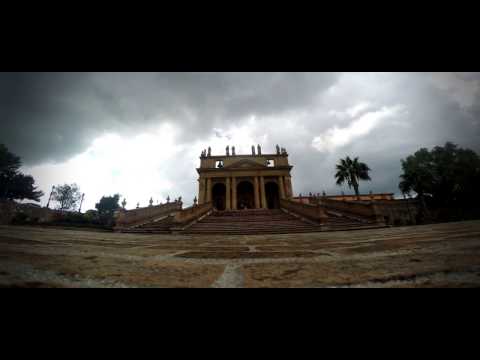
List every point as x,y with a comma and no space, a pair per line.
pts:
47,117
52,116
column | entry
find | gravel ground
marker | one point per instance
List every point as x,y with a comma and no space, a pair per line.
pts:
443,255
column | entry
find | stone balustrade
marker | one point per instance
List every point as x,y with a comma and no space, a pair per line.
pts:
187,216
365,210
312,212
131,218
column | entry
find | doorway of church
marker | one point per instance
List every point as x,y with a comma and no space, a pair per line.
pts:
272,195
219,192
245,195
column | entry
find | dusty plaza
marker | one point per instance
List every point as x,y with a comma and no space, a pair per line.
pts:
441,255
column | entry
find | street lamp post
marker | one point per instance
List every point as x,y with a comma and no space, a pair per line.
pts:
50,198
81,202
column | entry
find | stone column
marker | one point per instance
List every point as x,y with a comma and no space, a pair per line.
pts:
209,190
262,193
257,193
234,193
201,191
288,185
228,195
281,186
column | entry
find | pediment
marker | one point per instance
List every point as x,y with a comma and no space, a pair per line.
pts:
246,164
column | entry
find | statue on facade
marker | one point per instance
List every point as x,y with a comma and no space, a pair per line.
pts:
278,149
168,199
209,151
253,150
151,201
259,150
124,203
228,150
195,201
233,150
180,199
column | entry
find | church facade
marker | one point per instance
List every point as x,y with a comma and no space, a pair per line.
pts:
252,194
235,182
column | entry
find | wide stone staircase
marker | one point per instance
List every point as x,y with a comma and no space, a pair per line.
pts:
246,222
252,222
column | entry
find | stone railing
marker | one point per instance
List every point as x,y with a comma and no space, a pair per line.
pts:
131,218
190,215
312,212
364,210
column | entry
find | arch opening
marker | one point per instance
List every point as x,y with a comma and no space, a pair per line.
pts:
219,192
273,195
245,195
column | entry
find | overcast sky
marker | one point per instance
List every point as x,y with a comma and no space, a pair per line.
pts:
141,134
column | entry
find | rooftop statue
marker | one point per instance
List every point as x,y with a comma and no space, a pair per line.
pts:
253,150
228,150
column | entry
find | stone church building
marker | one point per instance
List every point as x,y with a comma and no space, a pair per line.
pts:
253,194
236,182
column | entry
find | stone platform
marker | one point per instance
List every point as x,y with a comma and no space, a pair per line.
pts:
442,255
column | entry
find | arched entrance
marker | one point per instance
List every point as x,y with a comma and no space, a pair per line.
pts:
219,192
272,195
245,195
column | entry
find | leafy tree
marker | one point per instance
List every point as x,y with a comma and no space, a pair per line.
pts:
13,184
446,176
108,205
68,196
351,172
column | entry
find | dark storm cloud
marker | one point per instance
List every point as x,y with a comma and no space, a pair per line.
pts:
52,116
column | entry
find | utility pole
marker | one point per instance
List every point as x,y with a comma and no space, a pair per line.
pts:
81,202
50,198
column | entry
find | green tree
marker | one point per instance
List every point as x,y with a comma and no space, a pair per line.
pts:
13,184
351,172
108,205
68,196
447,176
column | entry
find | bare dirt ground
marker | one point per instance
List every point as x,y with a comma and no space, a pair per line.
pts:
443,255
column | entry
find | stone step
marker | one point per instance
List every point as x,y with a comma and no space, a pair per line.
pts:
251,222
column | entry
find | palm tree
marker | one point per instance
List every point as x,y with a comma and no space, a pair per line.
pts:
351,172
